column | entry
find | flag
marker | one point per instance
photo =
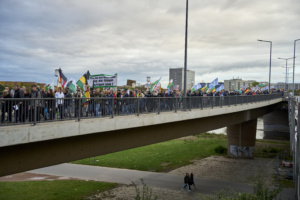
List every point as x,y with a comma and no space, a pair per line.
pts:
153,85
265,88
196,87
176,87
221,87
157,87
71,85
214,83
204,88
62,79
50,86
170,84
81,82
246,91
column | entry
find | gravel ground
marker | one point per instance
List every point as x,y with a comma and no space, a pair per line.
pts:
214,167
129,193
230,169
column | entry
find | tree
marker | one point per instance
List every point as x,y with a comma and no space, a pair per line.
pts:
254,84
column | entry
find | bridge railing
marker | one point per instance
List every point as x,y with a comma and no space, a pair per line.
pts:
41,110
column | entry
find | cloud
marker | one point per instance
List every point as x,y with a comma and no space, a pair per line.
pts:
137,39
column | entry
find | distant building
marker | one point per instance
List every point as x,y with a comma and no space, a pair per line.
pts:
177,74
237,84
288,86
130,82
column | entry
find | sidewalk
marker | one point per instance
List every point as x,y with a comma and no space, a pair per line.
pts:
152,179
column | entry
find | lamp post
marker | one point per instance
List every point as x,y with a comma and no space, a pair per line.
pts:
270,61
286,59
294,66
185,51
56,72
148,82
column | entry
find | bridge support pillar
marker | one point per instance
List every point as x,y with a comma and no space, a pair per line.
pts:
241,139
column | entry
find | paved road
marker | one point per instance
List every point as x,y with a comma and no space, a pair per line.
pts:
153,179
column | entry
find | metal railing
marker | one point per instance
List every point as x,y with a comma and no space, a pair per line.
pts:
294,116
38,110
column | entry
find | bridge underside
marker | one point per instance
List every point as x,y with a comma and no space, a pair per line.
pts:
24,157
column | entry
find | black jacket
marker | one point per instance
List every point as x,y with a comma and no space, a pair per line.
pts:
18,94
187,179
6,105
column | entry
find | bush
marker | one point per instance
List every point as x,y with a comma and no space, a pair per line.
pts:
220,149
145,194
273,150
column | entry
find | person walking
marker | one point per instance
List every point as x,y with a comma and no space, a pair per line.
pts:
192,180
186,182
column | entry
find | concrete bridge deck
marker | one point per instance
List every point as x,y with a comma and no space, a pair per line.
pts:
27,147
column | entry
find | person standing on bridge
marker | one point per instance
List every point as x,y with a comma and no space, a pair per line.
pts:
59,95
186,182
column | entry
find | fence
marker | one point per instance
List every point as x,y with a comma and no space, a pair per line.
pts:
32,111
294,116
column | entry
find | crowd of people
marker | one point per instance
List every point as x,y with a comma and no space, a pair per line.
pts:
64,104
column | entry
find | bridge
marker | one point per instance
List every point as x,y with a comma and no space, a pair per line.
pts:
26,146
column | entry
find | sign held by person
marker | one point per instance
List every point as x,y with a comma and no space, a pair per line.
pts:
104,80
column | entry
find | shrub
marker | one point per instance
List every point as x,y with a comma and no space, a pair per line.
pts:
145,194
273,150
220,149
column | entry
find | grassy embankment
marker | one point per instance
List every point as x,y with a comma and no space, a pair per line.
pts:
172,154
163,156
51,190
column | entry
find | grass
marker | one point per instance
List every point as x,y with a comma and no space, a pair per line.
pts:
51,190
163,156
270,149
273,141
286,183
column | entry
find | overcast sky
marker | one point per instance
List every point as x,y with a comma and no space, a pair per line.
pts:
140,38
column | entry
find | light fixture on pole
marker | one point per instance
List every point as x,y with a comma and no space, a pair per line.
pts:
56,72
286,79
270,61
294,66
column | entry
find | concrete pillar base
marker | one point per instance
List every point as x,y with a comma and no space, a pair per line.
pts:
241,139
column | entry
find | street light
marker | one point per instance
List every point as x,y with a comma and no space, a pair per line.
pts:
294,66
185,51
286,59
56,72
270,61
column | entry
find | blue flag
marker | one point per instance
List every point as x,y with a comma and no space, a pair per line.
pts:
213,84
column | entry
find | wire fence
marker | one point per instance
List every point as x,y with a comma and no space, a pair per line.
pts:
294,117
41,110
